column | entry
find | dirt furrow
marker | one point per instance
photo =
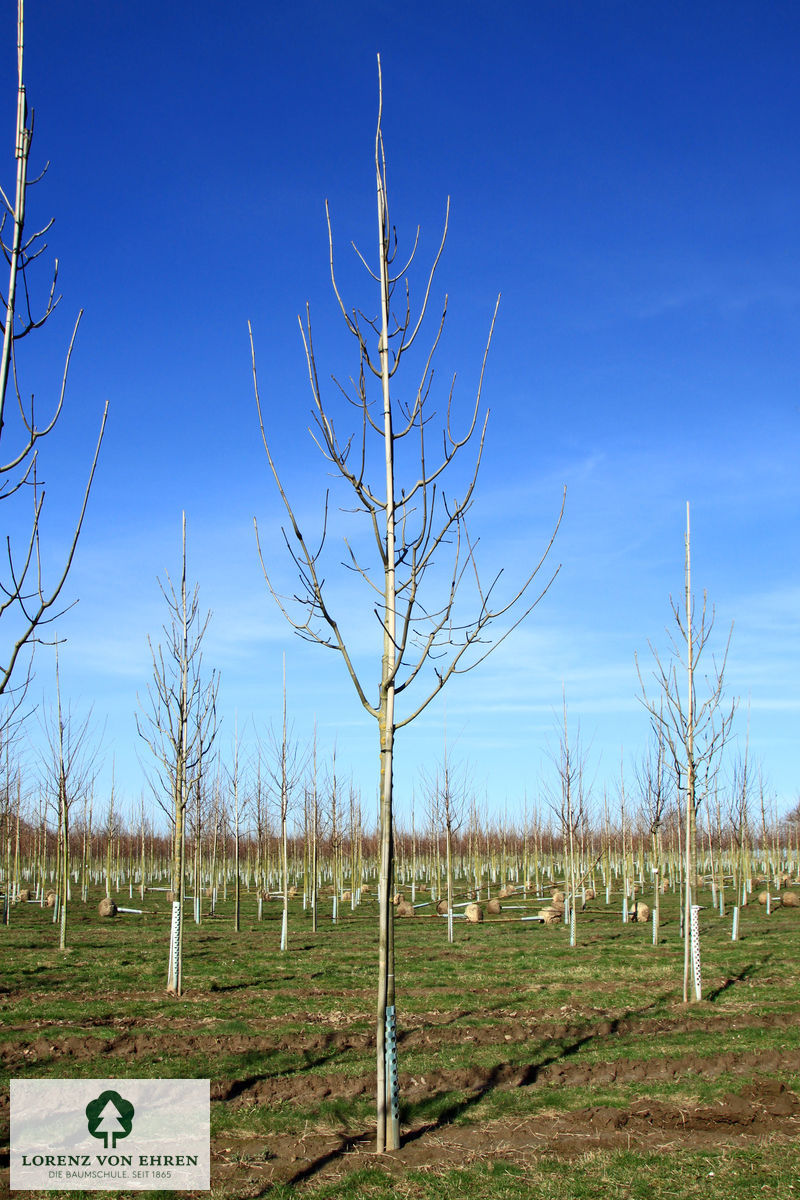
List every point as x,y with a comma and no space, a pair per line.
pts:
49,1044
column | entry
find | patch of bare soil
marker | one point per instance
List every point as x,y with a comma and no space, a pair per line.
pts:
133,1038
761,1111
308,1088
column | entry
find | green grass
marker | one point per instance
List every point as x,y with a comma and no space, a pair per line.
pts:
507,995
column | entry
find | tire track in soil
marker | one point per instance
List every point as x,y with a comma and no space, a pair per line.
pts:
439,1030
763,1111
478,1080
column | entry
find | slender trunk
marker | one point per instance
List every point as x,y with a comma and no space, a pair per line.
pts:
691,810
284,811
110,841
175,971
63,889
9,887
449,878
314,835
388,1130
16,837
213,880
314,868
236,877
237,887
142,857
23,143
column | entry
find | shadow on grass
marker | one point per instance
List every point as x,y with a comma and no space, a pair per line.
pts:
452,1110
240,1086
360,1141
740,977
527,1076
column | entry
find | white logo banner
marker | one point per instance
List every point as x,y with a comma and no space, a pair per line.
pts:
110,1134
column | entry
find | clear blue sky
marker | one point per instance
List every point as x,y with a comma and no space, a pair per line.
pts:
626,175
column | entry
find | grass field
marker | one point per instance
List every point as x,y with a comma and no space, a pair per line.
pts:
527,1068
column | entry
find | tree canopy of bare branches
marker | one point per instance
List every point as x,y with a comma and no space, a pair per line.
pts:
693,729
392,471
68,764
27,602
178,723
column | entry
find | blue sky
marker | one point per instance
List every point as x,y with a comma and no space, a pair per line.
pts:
626,175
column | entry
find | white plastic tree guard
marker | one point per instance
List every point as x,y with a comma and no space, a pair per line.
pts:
694,929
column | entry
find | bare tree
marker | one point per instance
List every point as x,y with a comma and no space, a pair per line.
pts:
739,820
68,767
261,816
179,726
11,799
335,828
313,823
27,602
694,730
651,777
568,802
235,786
447,803
412,525
286,765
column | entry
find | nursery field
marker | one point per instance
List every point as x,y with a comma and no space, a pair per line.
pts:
527,1068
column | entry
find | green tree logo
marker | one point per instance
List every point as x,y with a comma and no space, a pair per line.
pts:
109,1116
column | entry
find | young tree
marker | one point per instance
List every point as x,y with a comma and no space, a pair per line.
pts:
569,805
447,803
11,799
235,787
27,603
651,777
694,731
312,809
286,768
179,726
68,764
412,526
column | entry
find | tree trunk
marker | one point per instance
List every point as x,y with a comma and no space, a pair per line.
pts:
691,810
63,888
449,880
388,1132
